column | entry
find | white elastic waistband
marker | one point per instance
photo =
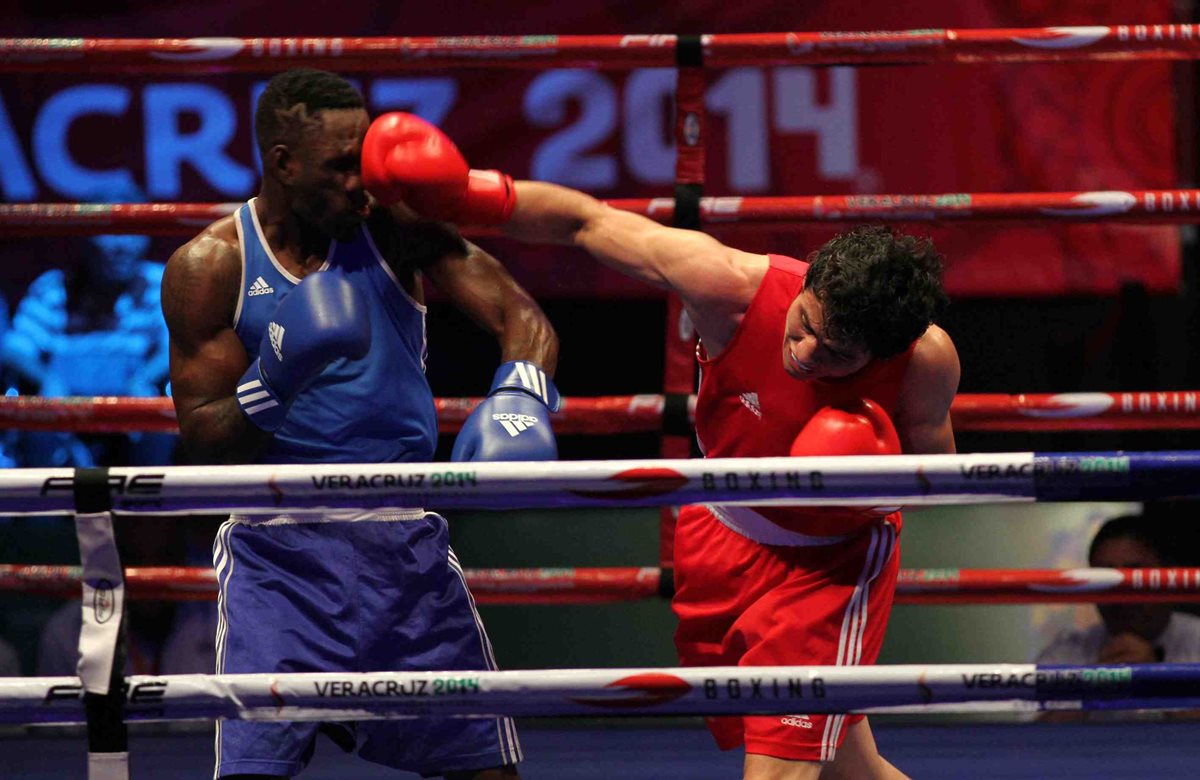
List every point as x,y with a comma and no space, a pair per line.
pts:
750,524
333,516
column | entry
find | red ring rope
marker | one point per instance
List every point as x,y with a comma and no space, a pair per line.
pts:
606,585
1142,206
1141,411
384,55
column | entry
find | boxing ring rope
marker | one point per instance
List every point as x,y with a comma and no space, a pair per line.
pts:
718,690
395,54
1128,206
646,413
878,480
606,585
94,493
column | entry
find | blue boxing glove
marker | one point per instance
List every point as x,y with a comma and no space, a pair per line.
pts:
323,319
513,422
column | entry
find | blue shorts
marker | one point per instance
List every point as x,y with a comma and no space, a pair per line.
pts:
381,593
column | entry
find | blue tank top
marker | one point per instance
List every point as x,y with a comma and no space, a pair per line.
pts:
378,409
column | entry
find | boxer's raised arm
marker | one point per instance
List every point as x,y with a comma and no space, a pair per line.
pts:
484,290
199,295
523,389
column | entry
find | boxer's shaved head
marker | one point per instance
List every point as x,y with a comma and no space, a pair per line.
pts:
309,125
290,104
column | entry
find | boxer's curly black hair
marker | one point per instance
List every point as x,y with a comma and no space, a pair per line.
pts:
295,96
879,290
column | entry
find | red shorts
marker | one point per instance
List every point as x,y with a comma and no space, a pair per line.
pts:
742,603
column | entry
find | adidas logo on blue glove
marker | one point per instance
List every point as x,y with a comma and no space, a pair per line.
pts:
519,401
275,332
515,424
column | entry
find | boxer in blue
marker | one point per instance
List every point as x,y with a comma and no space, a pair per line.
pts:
298,336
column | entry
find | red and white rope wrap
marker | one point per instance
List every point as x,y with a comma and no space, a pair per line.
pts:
1142,410
394,54
1095,206
1141,206
633,583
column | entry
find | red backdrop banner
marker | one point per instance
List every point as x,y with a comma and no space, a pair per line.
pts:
772,131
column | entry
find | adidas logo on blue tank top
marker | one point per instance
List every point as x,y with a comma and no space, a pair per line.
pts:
260,287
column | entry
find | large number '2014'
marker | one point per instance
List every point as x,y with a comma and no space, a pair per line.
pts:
738,97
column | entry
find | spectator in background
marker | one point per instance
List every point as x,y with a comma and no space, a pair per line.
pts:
162,637
95,329
10,662
1128,633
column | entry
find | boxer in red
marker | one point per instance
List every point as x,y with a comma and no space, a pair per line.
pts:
811,358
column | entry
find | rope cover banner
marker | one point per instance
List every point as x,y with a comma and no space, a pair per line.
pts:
885,481
648,691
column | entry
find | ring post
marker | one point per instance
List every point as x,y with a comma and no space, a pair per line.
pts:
102,635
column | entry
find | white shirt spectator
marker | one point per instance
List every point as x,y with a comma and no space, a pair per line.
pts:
1179,643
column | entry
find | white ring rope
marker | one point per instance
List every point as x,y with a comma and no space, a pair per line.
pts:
568,692
912,480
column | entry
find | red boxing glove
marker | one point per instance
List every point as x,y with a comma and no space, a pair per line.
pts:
405,158
857,427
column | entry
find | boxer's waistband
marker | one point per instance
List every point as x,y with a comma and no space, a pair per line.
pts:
333,516
745,521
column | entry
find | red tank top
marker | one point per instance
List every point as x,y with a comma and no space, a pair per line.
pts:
749,406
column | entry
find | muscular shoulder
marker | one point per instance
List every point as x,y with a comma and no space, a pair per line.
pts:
214,252
200,281
930,382
719,297
750,270
934,364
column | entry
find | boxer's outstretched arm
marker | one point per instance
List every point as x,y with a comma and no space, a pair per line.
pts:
407,159
199,294
713,279
923,408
